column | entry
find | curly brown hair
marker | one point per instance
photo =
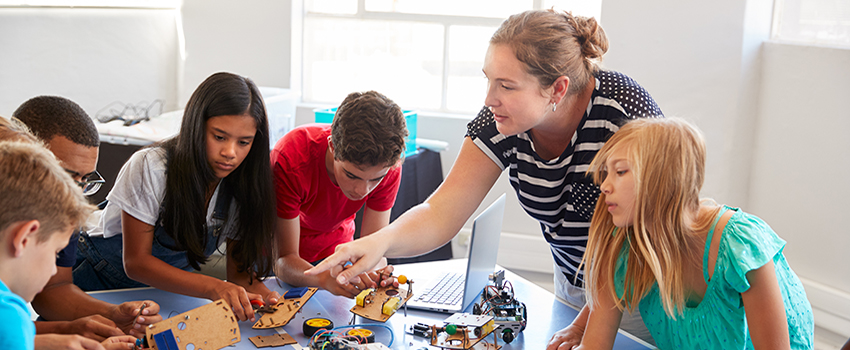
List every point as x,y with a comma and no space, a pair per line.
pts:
368,129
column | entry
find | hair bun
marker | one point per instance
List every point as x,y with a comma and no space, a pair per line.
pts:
591,36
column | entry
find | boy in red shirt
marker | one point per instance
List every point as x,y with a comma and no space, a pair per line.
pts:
323,174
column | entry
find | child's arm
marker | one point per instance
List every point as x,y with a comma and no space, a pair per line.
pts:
373,220
119,342
244,279
95,327
65,342
603,320
765,310
62,300
571,335
290,266
142,266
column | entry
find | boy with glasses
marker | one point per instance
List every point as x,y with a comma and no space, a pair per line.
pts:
70,134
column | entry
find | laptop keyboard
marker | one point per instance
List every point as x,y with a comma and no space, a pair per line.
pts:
448,290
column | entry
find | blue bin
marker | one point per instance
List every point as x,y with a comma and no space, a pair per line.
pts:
326,115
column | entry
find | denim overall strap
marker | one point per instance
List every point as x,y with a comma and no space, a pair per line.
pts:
165,248
100,262
220,213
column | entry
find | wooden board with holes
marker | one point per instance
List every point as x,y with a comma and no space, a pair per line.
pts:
373,307
479,325
274,340
462,341
210,327
286,310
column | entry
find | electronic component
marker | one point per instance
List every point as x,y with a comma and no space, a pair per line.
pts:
461,331
498,301
295,293
379,304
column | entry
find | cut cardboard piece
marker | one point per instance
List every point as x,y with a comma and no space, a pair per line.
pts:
284,311
210,327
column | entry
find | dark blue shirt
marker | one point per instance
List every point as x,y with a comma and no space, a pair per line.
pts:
68,256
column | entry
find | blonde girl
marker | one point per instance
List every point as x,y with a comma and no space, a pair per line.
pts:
704,276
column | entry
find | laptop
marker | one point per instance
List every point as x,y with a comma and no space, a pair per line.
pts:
454,291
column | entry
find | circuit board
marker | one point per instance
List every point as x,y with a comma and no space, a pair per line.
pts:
461,331
379,304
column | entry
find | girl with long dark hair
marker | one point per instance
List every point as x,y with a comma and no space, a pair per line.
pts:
175,202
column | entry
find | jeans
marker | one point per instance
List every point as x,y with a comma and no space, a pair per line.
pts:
100,261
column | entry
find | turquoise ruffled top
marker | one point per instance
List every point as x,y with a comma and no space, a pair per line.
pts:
719,320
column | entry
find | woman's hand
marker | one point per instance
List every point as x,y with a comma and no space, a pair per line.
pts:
238,298
363,254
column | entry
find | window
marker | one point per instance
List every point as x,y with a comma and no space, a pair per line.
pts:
824,22
169,4
424,55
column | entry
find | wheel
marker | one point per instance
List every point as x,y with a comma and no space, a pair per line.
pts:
362,333
508,335
524,318
313,325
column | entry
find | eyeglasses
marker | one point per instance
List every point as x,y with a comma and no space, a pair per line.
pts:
91,182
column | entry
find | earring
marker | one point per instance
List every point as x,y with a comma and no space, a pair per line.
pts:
554,106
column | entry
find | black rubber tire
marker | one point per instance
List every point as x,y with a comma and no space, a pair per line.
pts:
476,309
313,325
508,336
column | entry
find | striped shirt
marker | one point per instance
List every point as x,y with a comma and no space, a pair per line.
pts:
557,192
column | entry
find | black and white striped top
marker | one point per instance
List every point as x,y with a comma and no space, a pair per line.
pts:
556,192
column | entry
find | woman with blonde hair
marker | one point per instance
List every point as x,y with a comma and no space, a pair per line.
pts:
549,108
704,276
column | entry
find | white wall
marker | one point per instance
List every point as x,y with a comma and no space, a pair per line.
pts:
773,114
697,61
92,56
800,164
250,37
774,120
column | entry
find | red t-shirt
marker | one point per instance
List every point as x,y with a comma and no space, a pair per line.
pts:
304,189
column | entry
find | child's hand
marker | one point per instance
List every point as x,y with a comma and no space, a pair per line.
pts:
330,284
65,342
120,342
383,276
132,318
272,298
94,327
238,298
566,339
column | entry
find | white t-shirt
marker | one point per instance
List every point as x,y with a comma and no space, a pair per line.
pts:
139,190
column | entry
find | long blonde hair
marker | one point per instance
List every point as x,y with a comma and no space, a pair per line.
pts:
667,161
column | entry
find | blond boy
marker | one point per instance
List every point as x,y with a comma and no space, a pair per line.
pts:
39,208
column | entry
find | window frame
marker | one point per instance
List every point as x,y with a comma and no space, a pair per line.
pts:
446,21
